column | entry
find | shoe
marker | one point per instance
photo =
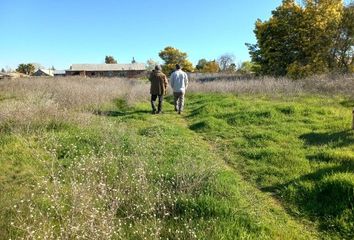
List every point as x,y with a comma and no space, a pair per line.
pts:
153,112
179,112
159,112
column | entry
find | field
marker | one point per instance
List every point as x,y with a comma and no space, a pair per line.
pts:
256,159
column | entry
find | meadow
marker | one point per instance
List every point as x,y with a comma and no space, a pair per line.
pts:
265,158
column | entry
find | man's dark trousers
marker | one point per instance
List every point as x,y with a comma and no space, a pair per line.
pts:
159,106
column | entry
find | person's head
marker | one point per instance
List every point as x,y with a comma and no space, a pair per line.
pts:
178,67
158,68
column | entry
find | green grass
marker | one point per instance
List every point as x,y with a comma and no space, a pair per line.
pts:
229,168
300,149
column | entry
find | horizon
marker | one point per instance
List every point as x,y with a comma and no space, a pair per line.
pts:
63,33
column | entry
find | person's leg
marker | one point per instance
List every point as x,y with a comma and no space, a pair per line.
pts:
181,102
175,99
159,107
153,99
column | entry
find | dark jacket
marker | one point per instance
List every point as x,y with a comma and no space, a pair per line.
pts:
158,83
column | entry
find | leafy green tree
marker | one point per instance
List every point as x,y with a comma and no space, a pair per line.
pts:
319,27
172,56
343,50
26,68
201,64
205,66
210,67
298,40
3,70
110,60
248,67
277,44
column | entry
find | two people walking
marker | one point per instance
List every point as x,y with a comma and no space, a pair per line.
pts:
159,82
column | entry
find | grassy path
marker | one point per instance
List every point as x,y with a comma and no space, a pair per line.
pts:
253,214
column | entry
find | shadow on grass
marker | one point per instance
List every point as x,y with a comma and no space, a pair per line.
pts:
120,113
337,139
347,103
326,195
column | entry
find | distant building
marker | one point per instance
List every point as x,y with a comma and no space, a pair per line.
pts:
59,73
4,75
44,73
13,75
107,70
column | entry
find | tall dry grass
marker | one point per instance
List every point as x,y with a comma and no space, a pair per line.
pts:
26,103
325,84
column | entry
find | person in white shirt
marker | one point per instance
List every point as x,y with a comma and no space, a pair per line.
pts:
179,84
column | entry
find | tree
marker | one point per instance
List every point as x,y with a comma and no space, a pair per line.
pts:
201,64
320,25
225,62
53,68
343,50
298,40
232,68
248,67
110,60
26,68
206,66
150,64
3,70
210,67
172,56
278,40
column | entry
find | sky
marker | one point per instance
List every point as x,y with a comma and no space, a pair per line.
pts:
63,32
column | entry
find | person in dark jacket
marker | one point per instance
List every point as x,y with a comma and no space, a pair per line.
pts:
158,88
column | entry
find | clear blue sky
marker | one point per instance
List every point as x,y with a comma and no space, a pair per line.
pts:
63,32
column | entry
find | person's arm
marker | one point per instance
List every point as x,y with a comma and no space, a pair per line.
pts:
165,83
172,80
186,80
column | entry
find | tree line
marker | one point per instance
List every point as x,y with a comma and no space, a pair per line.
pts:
171,56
